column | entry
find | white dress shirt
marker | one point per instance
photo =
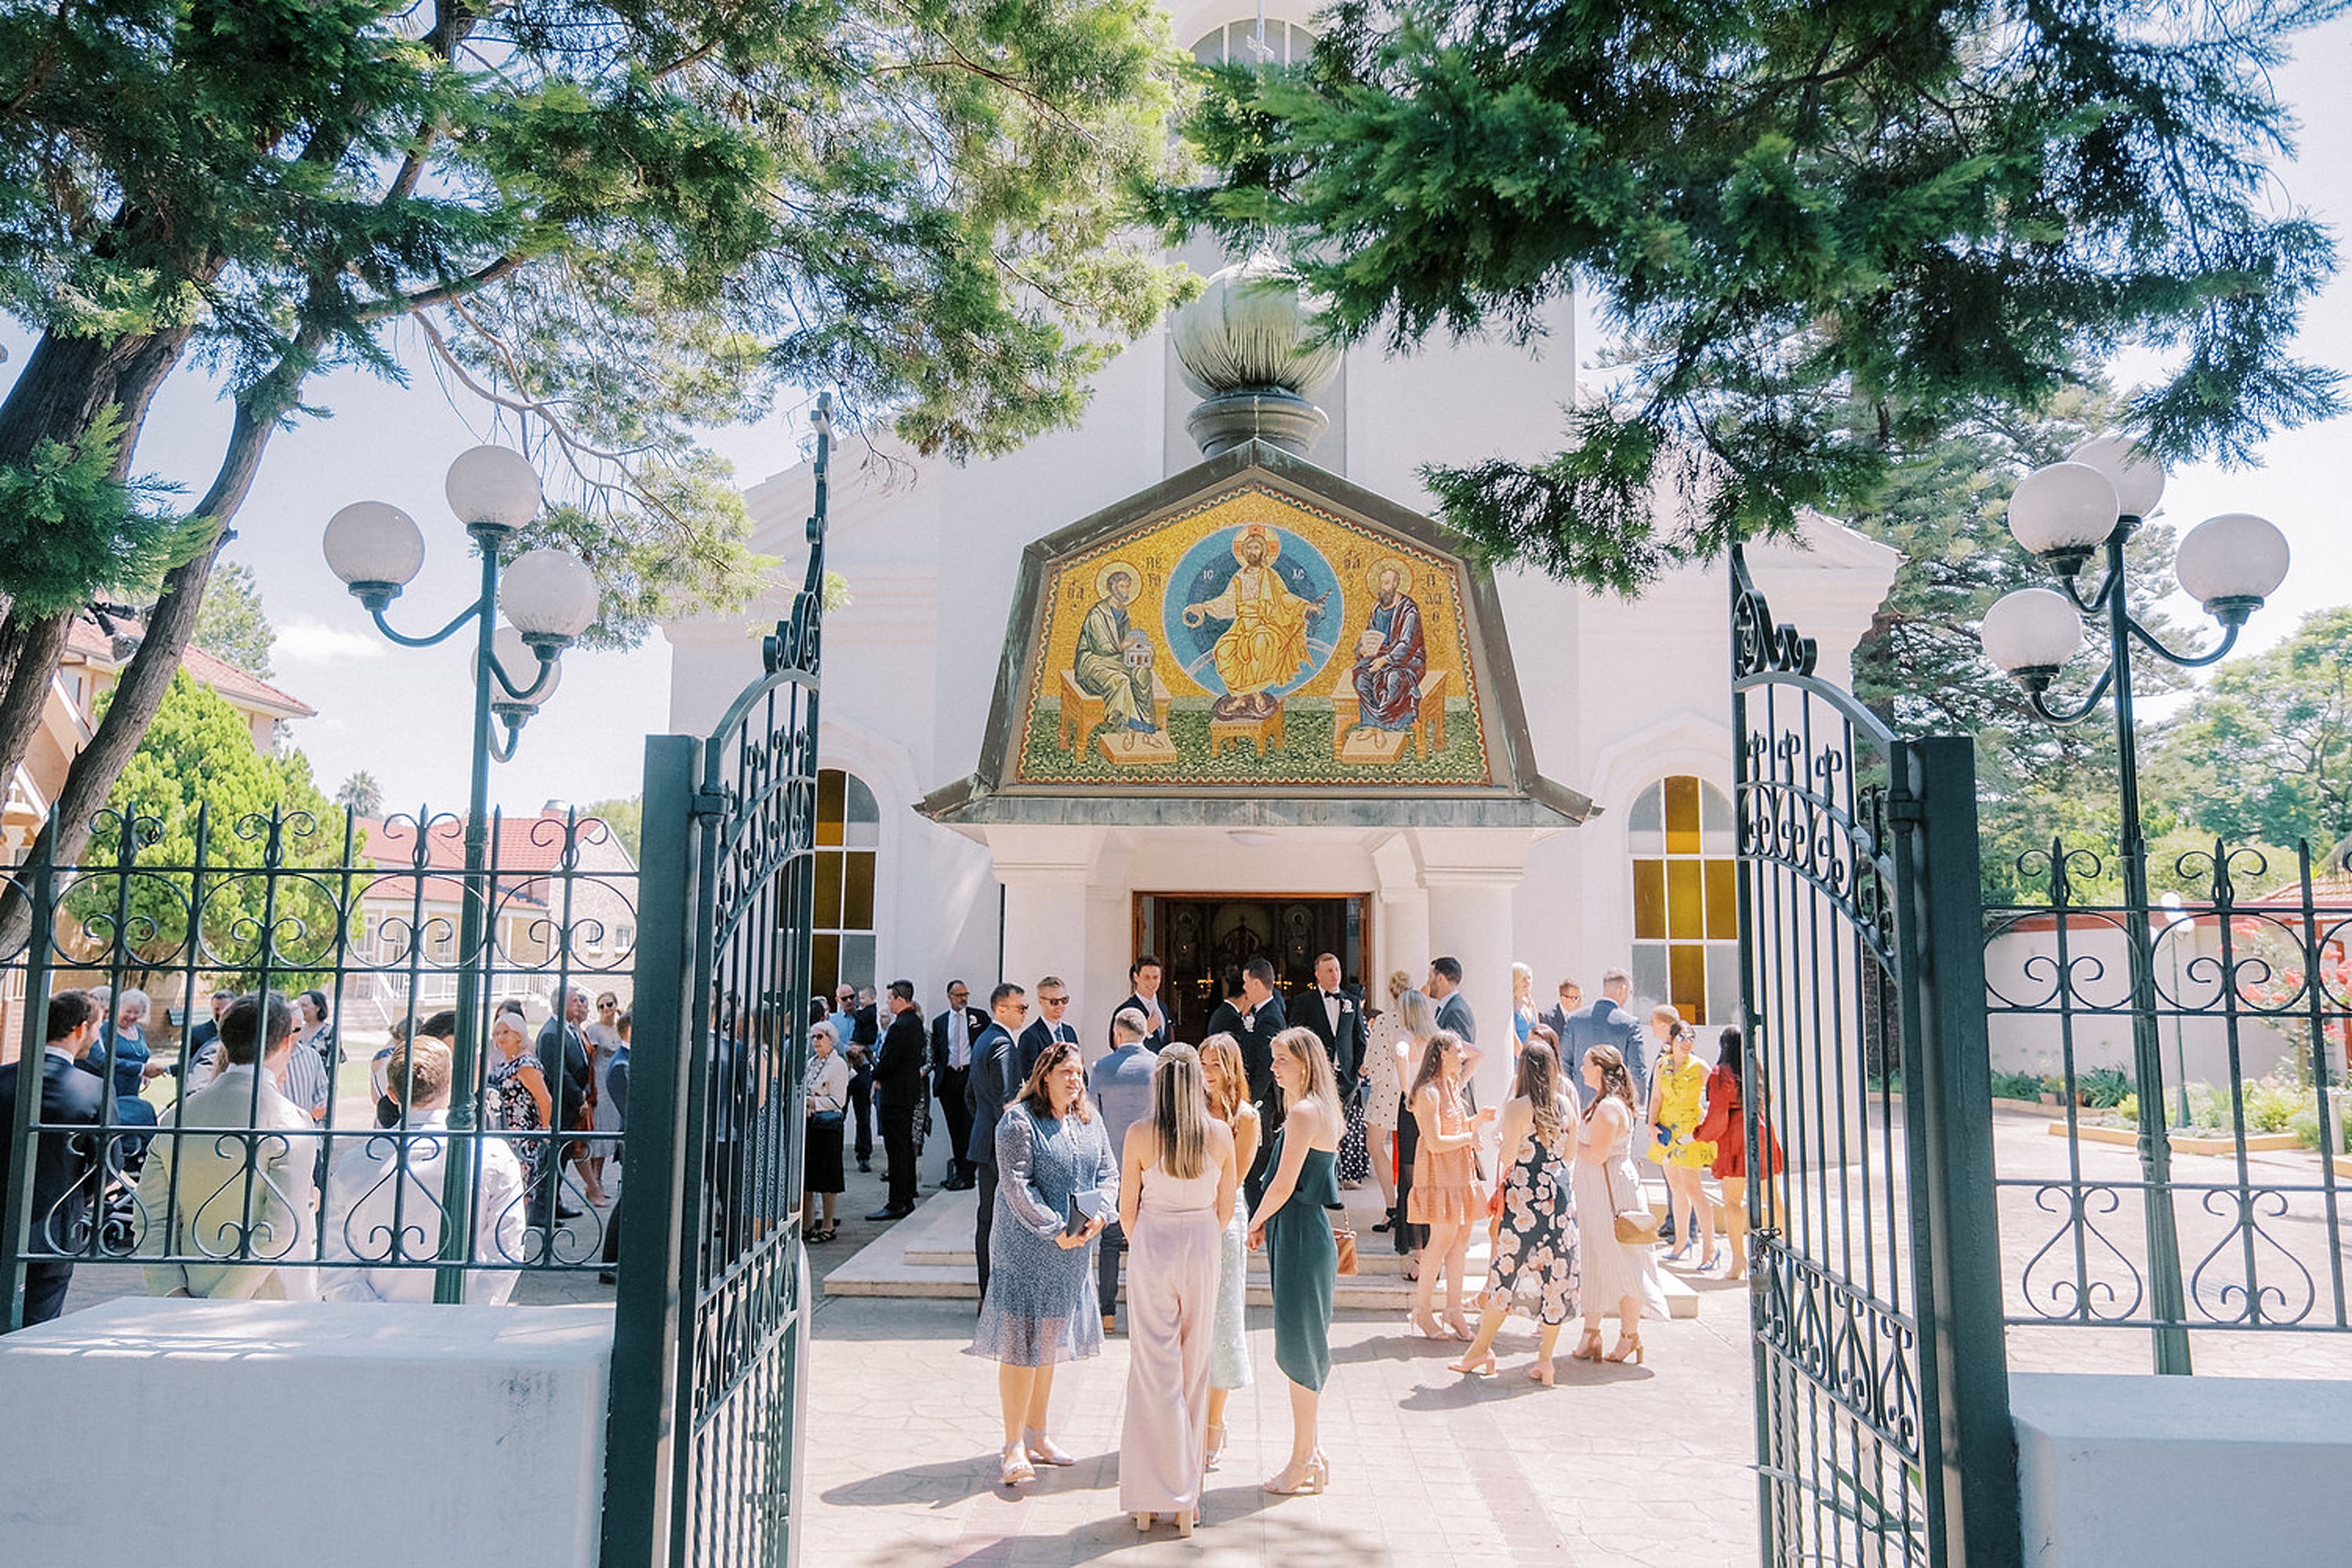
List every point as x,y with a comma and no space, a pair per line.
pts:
371,1181
958,1038
195,1197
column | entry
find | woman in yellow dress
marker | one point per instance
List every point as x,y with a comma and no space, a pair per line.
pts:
1677,1105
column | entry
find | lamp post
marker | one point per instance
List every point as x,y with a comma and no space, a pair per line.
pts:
550,598
2065,515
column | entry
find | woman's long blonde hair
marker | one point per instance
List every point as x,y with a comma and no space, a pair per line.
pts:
1233,1075
1180,1113
1417,1013
1308,1051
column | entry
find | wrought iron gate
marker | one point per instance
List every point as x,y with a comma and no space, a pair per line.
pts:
703,1444
1883,1430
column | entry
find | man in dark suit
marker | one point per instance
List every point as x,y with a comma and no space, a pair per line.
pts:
1444,988
1225,1018
952,1034
564,1061
1336,1019
995,1058
1261,1018
1143,974
65,1176
865,1039
1051,1025
899,1095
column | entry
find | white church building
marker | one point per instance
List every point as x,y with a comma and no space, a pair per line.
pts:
1201,677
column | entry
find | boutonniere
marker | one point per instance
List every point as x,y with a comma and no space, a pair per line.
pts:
1346,1006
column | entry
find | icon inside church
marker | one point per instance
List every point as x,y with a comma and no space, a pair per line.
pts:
1253,638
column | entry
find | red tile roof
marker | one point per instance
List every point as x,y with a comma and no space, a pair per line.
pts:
87,640
524,846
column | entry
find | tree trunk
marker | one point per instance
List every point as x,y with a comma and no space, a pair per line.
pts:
148,676
32,651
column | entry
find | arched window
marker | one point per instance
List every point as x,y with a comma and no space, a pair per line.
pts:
848,831
1236,43
1686,899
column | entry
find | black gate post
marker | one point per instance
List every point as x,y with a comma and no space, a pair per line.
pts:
1956,1253
16,1215
642,1422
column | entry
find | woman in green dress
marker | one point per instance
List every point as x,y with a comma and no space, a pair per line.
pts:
1302,1258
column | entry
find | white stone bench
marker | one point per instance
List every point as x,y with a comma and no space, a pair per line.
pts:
177,1434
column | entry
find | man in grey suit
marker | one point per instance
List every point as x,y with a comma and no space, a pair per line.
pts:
1122,1087
1606,1023
995,1081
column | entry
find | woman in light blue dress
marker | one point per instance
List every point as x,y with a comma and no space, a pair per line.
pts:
1227,1080
1040,1308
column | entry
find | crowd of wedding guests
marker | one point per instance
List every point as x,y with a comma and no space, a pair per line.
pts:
1183,1158
246,1186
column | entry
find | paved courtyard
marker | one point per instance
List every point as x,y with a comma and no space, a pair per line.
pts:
1618,1465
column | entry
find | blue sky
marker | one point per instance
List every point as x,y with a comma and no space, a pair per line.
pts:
402,714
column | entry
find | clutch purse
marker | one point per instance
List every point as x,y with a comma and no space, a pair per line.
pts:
1343,1235
1085,1209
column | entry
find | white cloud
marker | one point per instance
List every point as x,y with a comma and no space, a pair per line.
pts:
316,642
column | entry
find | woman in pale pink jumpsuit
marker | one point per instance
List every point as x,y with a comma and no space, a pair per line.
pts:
1175,1197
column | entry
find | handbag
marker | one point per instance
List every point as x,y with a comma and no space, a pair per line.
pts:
825,1120
1633,1227
1343,1235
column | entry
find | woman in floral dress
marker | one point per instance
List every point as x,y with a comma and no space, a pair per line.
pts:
1535,1264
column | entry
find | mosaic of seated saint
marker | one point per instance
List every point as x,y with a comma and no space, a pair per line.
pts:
1391,655
1266,645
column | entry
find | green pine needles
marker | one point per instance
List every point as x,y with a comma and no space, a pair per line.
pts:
1825,233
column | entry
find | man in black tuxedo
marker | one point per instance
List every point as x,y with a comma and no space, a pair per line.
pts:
995,1080
899,1096
1225,1018
1261,1018
952,1034
65,1163
1337,1019
203,1046
1143,974
865,1039
1051,1025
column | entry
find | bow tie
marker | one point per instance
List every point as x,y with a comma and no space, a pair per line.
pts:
1332,996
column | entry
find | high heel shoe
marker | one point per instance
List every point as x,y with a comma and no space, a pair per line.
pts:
1478,1366
1541,1371
1144,1523
1428,1327
1307,1482
1017,1470
1456,1327
1217,1448
1587,1348
1628,1348
1186,1521
1043,1451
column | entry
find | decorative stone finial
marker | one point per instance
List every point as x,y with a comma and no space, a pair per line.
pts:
1243,345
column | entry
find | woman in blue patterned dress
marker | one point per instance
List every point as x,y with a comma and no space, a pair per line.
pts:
1040,1308
1227,1082
1535,1265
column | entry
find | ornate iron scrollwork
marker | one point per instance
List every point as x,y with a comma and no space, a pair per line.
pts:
1760,645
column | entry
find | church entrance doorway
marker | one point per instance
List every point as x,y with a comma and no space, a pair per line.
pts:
1201,941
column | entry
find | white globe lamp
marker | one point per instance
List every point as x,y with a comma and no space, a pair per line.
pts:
493,488
2137,478
521,663
2063,513
377,550
2029,634
2231,564
549,595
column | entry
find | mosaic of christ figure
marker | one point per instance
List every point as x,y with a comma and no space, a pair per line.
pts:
1266,645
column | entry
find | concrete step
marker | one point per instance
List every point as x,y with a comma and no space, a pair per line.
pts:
928,1254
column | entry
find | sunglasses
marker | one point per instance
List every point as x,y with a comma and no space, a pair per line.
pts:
1054,1001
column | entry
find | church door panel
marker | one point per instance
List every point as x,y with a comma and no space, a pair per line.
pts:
1203,939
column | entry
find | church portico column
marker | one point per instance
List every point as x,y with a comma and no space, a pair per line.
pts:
1047,875
1471,886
